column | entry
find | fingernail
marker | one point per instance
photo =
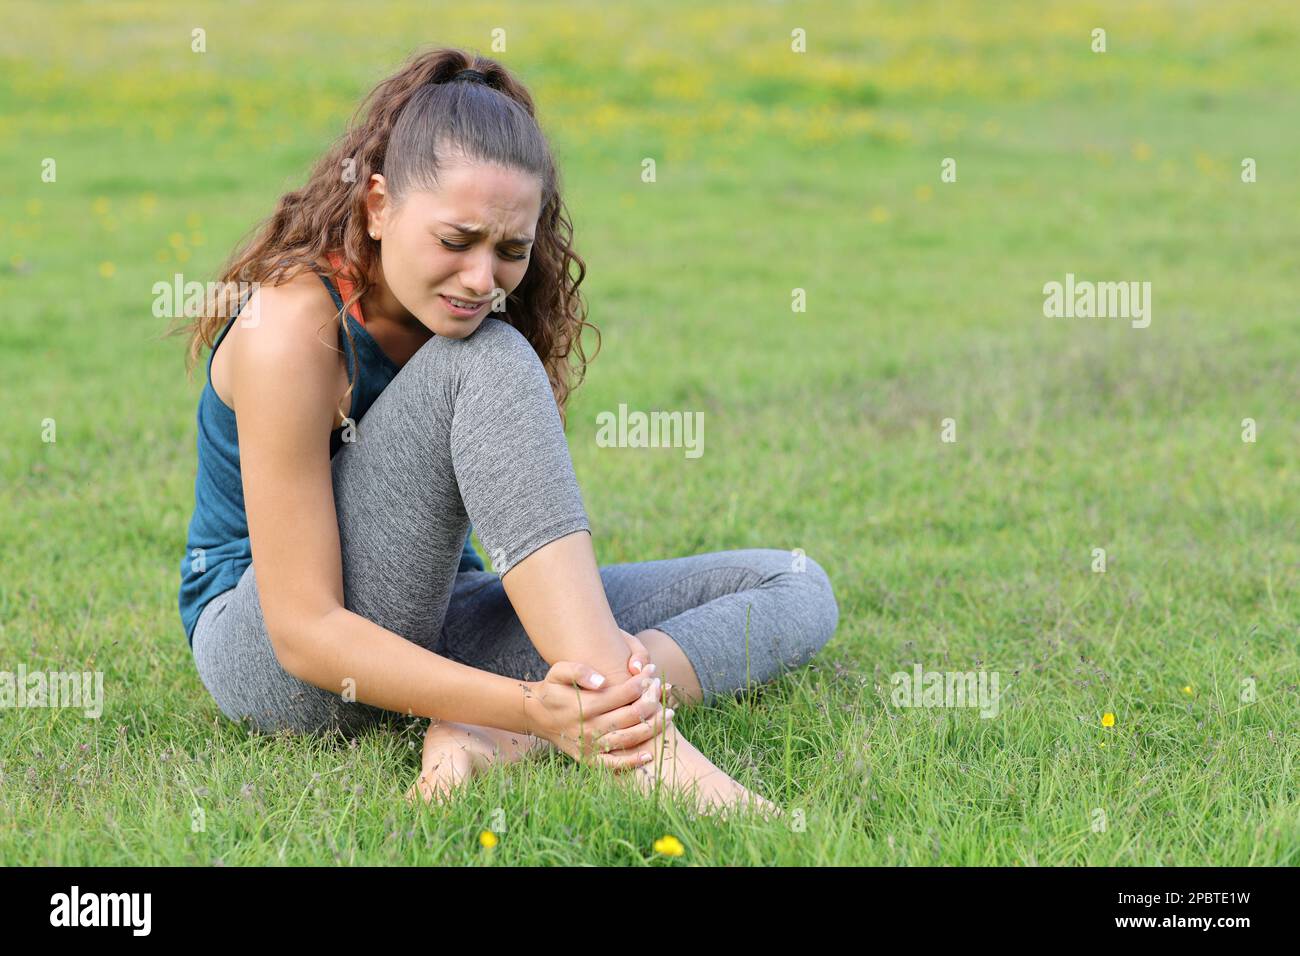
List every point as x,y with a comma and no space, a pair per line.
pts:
645,682
645,758
598,679
668,714
651,668
636,666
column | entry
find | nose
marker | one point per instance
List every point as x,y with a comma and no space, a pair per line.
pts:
477,276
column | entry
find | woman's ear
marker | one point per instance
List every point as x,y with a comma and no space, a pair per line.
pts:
376,205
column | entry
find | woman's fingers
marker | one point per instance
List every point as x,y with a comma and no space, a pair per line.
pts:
633,712
572,673
626,704
634,723
627,760
638,657
610,696
638,733
631,690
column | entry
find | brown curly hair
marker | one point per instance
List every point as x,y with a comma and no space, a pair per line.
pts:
421,115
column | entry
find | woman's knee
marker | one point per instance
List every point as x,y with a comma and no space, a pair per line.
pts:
812,595
500,352
495,350
494,366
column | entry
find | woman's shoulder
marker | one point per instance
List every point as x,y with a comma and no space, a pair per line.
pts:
302,287
288,308
289,325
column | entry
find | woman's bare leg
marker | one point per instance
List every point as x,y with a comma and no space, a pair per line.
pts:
557,594
455,752
676,756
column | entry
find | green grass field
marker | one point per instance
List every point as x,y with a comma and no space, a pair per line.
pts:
775,171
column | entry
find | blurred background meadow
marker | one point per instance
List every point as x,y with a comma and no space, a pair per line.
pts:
1149,713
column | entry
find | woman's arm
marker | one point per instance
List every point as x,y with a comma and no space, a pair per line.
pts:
557,593
393,673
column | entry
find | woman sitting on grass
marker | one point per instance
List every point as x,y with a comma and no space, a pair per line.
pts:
329,581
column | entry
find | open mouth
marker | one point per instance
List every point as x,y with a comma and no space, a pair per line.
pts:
460,307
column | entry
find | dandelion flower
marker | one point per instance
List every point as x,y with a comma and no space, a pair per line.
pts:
106,269
1108,719
487,839
1188,690
669,846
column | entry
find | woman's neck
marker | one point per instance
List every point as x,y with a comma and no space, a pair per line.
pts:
399,333
379,305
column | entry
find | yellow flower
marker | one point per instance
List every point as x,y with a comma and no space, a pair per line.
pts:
487,839
1108,719
1141,151
101,206
879,214
924,193
1188,690
106,269
669,846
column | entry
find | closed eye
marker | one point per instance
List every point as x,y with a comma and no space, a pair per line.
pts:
463,247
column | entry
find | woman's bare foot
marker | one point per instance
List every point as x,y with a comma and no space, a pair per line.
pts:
453,753
681,767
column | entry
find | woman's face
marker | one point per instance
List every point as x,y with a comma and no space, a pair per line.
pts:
469,240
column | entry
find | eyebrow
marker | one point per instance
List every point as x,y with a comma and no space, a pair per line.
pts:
474,231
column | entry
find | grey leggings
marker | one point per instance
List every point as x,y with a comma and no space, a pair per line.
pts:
468,431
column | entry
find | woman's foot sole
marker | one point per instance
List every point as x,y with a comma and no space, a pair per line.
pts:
455,753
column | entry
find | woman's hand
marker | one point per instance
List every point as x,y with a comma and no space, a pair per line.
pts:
574,709
640,656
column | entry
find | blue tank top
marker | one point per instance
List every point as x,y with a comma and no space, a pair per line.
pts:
217,549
